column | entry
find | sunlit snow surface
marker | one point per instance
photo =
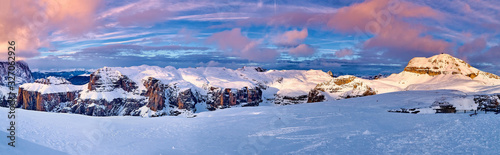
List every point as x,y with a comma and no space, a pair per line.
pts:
350,126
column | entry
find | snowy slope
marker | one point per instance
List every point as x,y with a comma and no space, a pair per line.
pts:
441,71
351,126
346,86
51,85
283,82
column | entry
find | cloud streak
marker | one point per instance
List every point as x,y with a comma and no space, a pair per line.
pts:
235,44
29,22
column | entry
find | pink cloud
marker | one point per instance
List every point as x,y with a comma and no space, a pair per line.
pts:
382,22
29,22
143,18
474,46
289,19
236,44
343,53
186,36
291,38
402,37
381,12
385,20
302,50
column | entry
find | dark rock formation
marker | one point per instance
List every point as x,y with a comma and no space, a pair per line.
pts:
224,98
315,96
184,100
43,102
22,73
105,79
34,100
156,94
101,107
287,100
260,69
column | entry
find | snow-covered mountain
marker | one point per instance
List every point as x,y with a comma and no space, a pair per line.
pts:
22,74
155,91
441,71
346,86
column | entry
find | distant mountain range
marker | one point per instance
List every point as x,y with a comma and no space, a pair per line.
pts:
154,91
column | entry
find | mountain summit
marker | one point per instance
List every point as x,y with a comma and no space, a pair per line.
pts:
445,64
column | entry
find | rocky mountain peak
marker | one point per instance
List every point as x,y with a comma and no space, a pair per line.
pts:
22,73
107,79
444,64
346,86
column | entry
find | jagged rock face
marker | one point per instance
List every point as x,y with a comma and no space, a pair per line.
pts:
106,80
343,87
22,73
101,107
42,101
109,93
184,100
444,64
156,94
31,100
223,98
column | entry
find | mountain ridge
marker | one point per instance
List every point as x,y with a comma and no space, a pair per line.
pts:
156,91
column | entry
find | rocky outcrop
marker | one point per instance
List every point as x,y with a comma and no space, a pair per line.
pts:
45,101
110,93
288,100
155,93
184,100
445,64
224,98
112,82
106,79
22,73
101,107
315,96
341,87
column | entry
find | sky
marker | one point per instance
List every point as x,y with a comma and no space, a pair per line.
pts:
361,37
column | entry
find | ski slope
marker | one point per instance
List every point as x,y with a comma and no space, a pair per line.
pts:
351,126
